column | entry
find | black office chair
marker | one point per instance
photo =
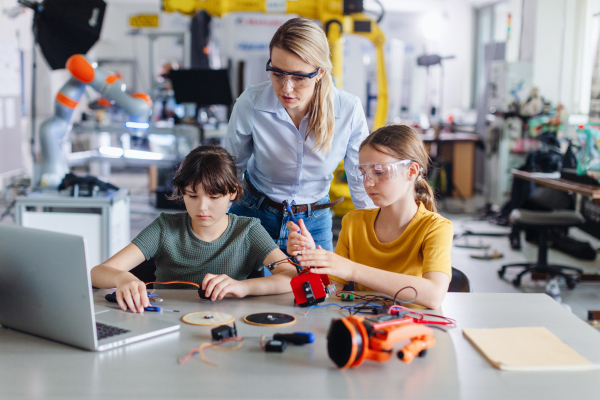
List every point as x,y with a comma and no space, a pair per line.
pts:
459,283
543,222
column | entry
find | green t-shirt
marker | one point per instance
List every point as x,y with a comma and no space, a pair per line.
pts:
181,256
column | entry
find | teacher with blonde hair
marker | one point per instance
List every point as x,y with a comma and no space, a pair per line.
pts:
289,134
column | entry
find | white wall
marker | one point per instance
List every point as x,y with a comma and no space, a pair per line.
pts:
456,39
20,28
591,8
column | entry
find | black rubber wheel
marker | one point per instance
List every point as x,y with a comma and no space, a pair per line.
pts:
423,353
571,283
401,355
501,273
516,282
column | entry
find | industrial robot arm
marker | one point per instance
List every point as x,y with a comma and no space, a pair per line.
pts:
54,166
337,16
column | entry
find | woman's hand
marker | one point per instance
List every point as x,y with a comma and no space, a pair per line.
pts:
131,292
219,286
299,241
322,261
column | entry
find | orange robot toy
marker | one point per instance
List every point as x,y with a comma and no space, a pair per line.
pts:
54,165
352,340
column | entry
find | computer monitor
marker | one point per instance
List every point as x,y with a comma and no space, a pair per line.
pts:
204,87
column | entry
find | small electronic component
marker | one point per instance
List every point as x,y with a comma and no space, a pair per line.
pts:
347,297
202,294
309,288
208,318
158,309
275,346
224,332
269,319
153,297
298,338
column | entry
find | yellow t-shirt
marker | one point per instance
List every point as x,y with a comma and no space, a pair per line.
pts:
424,246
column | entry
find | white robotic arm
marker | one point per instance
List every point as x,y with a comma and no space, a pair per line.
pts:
54,165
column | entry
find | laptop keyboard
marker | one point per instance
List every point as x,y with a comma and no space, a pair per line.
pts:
105,331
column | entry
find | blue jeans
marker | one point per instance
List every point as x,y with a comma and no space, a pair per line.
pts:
273,220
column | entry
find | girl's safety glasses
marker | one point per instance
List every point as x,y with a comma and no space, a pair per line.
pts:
296,79
377,172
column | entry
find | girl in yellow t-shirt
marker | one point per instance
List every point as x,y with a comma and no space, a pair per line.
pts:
402,243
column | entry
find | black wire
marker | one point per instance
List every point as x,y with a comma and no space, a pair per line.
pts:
382,11
404,302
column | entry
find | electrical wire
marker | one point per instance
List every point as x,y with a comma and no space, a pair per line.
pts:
291,259
368,297
419,317
366,307
204,346
381,11
347,308
173,282
409,301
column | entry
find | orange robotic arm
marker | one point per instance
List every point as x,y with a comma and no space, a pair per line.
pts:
54,165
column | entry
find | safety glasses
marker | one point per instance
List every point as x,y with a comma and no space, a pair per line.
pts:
377,172
296,79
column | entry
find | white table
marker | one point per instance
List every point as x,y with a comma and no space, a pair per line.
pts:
32,367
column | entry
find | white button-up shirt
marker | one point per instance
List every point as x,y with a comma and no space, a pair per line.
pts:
281,164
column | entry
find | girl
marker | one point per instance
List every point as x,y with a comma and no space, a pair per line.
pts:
206,245
290,133
402,243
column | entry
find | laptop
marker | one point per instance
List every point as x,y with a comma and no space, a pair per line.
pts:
45,290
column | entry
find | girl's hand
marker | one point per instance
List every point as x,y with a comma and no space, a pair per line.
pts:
322,261
131,292
219,286
298,241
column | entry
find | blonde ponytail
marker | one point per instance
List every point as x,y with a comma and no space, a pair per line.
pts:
304,38
424,194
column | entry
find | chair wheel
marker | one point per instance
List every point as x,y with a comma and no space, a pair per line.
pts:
516,282
571,282
501,273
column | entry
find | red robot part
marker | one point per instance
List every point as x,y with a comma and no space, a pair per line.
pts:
309,288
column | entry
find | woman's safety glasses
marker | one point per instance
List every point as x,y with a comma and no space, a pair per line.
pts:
377,172
296,79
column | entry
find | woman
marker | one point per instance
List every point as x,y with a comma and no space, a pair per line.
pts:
290,133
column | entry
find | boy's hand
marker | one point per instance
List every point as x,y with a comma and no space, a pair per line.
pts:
219,286
322,261
298,241
131,292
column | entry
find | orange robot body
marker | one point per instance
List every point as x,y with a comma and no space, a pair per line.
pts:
352,340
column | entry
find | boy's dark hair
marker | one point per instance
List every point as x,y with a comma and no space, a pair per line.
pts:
211,166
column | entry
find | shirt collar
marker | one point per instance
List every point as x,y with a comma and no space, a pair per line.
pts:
269,102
